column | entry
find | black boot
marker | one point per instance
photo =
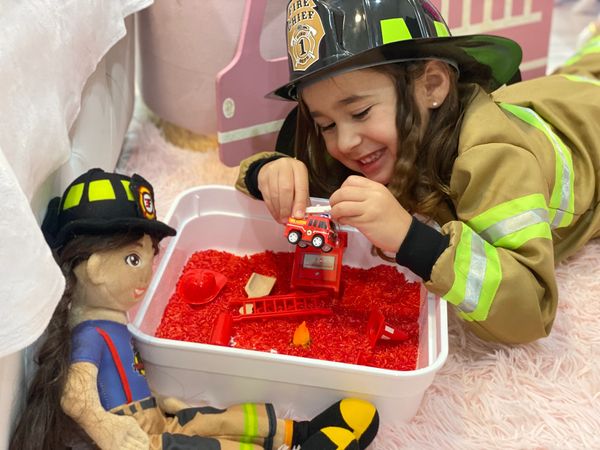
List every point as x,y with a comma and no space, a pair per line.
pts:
331,438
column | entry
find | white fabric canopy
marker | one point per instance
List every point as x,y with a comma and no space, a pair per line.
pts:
48,49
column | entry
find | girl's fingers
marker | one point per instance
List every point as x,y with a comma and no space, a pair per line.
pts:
301,196
345,211
284,187
286,194
349,194
274,199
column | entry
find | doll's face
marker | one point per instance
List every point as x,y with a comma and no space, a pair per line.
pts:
119,278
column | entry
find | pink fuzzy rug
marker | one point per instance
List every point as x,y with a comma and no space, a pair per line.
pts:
544,395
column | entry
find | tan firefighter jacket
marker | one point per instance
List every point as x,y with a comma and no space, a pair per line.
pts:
526,185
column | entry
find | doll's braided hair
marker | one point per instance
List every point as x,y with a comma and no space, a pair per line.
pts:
43,425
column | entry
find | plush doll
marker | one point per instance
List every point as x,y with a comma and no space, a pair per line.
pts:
104,234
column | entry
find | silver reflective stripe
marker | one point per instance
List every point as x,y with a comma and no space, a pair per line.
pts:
513,224
565,191
560,149
476,275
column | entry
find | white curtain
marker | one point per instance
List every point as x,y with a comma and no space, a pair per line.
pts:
48,49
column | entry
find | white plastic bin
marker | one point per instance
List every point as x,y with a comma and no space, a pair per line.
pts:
218,217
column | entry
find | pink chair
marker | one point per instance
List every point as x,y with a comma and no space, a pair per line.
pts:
248,123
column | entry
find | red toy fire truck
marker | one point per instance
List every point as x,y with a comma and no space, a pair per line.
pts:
316,229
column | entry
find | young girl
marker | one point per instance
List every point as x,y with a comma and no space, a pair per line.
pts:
396,118
105,234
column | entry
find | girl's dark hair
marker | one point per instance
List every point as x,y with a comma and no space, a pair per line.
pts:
425,159
43,425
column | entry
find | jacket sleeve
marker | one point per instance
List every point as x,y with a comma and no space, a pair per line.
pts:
586,62
498,270
247,180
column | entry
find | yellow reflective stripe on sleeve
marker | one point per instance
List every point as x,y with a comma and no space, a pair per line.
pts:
74,195
394,30
126,184
246,446
250,420
441,29
477,275
592,46
562,200
512,223
100,190
580,79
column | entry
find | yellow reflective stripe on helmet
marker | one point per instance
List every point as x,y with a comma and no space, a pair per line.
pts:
394,30
592,46
101,190
126,184
250,420
580,79
74,195
512,223
562,200
441,29
477,275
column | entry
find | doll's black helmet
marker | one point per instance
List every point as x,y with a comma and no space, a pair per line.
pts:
102,202
327,37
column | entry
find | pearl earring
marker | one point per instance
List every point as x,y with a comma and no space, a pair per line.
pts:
435,104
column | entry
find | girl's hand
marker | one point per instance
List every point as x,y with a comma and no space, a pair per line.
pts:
284,187
372,209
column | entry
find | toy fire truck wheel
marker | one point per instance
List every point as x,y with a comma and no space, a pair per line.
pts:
326,248
293,237
318,241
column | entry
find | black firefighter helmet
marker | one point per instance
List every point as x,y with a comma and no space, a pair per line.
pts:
327,37
102,202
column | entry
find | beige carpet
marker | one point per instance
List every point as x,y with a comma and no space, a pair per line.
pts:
545,395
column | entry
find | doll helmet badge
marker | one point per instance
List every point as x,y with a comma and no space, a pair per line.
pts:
333,36
100,201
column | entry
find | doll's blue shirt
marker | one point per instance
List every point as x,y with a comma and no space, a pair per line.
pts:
90,346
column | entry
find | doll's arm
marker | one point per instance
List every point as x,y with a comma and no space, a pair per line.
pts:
81,402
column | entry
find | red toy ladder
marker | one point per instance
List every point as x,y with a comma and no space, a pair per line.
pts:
299,303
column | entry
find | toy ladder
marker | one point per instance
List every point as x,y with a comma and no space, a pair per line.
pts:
295,304
287,305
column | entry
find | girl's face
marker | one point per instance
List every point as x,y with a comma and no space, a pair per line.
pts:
356,114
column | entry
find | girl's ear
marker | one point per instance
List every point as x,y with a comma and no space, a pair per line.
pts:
93,269
434,85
